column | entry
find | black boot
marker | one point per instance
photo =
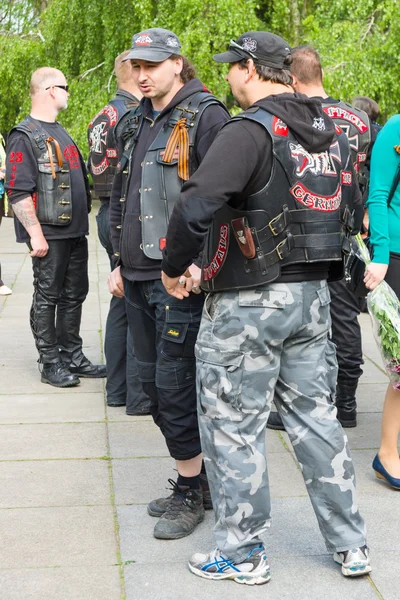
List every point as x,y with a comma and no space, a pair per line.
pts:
275,421
58,375
82,367
346,402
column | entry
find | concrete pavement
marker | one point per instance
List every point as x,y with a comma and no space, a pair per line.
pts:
75,478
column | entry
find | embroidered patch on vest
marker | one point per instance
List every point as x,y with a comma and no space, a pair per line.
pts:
279,127
211,270
347,178
317,163
311,200
337,112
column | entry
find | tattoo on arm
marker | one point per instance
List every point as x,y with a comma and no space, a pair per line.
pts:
25,212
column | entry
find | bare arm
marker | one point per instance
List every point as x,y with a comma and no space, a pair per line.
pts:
26,214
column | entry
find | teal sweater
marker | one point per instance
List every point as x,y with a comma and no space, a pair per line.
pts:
384,221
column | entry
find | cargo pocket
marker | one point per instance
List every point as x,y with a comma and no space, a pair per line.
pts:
180,331
219,383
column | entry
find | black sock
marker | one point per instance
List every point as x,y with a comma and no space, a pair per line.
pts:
192,482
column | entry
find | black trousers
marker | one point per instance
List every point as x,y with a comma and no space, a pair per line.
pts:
164,332
123,383
346,332
60,283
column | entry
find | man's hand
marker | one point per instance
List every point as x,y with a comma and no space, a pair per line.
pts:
115,283
39,246
180,287
374,274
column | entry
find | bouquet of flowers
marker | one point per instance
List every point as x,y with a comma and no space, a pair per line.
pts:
384,310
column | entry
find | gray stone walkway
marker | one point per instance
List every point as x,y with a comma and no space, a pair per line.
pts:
75,477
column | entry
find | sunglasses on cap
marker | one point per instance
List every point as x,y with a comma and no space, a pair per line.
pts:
63,87
234,45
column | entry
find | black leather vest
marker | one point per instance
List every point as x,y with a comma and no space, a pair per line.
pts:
52,197
302,215
103,156
160,183
356,125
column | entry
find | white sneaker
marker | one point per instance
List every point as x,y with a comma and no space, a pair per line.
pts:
354,562
254,570
5,291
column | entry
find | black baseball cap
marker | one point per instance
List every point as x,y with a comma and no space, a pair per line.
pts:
154,45
264,48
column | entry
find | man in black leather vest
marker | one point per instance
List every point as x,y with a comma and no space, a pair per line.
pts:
345,306
161,146
47,185
276,196
123,386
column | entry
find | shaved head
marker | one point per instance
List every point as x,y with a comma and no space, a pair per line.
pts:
45,77
123,70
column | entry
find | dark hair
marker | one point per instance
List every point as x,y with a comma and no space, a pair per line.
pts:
367,105
188,71
282,76
306,65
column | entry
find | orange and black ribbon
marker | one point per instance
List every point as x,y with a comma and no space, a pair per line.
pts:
179,139
49,141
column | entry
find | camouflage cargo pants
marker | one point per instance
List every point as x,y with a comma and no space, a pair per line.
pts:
251,344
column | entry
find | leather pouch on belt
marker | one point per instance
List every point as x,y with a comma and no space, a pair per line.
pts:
244,237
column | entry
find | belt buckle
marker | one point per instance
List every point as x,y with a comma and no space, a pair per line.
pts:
273,230
280,245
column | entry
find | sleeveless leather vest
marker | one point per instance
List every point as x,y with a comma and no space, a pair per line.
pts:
160,183
52,197
103,156
356,125
302,215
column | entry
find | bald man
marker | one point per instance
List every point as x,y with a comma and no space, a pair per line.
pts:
47,185
123,386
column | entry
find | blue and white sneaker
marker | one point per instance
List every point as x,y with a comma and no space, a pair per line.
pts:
252,571
354,562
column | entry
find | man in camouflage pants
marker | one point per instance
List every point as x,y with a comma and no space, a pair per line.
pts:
271,198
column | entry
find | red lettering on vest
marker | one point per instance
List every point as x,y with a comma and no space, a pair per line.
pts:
72,156
337,112
163,243
210,271
99,169
361,157
110,112
315,202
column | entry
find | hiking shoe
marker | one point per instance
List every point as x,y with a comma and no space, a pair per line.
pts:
254,570
157,507
58,375
185,510
354,562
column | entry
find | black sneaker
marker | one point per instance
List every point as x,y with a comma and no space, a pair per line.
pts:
58,375
157,507
185,510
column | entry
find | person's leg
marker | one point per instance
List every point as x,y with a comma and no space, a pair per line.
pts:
48,276
115,352
389,450
69,312
310,420
137,401
346,335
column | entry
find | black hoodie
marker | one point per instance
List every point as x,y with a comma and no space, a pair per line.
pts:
237,165
135,265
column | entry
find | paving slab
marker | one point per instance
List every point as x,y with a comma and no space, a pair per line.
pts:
367,434
49,537
71,440
50,408
29,380
289,580
136,438
370,396
61,584
373,374
54,483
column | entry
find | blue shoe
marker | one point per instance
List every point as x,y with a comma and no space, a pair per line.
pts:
254,570
381,473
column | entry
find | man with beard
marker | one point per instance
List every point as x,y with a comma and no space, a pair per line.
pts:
275,196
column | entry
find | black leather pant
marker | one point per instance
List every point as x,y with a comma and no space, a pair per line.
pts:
346,332
60,282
